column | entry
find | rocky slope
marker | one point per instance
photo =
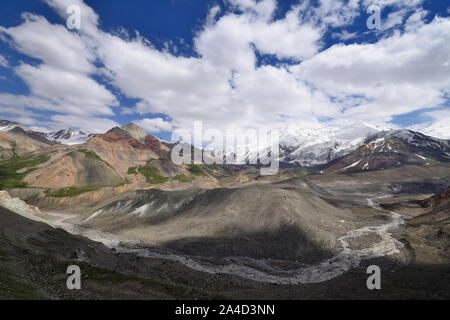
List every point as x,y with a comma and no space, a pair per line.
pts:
284,221
16,139
429,233
135,131
35,256
437,214
438,202
74,169
19,206
122,150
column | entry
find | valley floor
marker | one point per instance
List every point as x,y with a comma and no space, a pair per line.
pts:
367,224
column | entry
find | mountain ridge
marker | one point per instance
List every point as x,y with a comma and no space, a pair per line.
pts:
389,149
68,136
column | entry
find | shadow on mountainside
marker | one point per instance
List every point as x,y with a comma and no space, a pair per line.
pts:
34,258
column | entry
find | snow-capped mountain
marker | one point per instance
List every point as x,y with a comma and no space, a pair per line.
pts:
68,137
6,125
321,144
388,149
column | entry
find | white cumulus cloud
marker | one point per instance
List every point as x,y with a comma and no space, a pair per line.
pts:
154,124
223,84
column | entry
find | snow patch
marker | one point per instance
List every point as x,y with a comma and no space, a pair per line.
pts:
423,158
352,165
141,210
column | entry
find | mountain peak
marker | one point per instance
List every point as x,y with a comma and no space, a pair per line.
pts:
390,149
130,125
135,131
68,136
6,125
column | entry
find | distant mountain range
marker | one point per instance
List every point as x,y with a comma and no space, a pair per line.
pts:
356,147
68,137
309,147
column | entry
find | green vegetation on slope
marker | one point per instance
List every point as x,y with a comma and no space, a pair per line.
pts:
70,192
132,170
196,170
152,175
76,191
183,178
10,178
92,155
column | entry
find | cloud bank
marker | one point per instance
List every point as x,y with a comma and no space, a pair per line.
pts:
225,84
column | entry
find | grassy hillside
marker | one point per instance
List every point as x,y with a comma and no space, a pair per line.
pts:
152,175
10,177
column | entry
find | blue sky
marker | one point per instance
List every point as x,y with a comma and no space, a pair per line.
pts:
229,63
